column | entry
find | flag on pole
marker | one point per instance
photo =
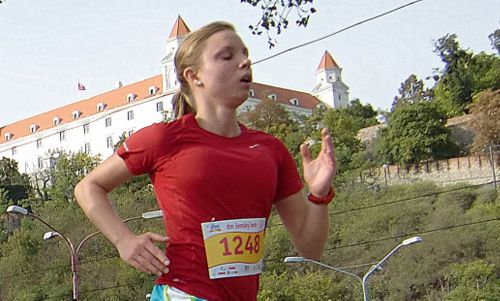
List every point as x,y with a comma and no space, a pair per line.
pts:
81,86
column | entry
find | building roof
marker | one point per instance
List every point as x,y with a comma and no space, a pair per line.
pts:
327,62
283,95
180,28
87,107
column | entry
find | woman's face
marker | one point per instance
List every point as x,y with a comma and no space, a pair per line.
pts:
225,70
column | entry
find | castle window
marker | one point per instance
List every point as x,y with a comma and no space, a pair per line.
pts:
272,96
101,106
109,142
86,128
56,121
251,93
33,128
131,97
294,102
38,143
40,162
8,136
107,122
62,136
159,106
76,114
14,151
153,90
87,148
130,115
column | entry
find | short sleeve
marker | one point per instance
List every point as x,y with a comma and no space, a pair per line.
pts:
141,150
289,181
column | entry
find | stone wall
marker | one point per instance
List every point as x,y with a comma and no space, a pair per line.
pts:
471,170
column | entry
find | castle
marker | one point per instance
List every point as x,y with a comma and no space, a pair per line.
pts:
95,125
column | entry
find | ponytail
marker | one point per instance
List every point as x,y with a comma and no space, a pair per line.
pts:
181,105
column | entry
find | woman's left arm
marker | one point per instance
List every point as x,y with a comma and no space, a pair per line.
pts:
306,222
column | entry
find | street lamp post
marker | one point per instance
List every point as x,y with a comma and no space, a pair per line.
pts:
72,250
374,268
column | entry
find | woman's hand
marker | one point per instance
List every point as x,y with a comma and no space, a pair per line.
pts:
319,173
141,252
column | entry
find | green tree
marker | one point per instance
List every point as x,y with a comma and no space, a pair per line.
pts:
271,117
474,281
69,169
485,119
275,16
415,133
412,90
464,75
453,90
495,40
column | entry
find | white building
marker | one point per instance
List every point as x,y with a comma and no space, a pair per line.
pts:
95,125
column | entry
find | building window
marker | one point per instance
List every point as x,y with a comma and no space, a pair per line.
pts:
86,128
130,132
109,142
131,97
153,90
159,106
38,143
8,136
87,148
100,107
294,101
62,136
108,121
33,128
130,115
14,151
56,121
52,162
272,96
251,93
40,162
76,114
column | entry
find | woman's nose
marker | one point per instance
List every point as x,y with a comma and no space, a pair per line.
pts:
245,63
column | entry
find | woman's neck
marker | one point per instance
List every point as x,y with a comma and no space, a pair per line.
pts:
221,123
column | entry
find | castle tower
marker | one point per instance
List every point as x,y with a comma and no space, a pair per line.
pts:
329,86
179,31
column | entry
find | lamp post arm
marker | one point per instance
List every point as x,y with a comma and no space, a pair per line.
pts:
334,268
68,242
375,267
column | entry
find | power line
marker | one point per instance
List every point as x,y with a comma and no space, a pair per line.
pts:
115,256
397,201
337,32
399,236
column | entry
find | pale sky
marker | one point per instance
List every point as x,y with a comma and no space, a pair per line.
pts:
47,46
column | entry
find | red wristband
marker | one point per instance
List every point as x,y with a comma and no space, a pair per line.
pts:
324,200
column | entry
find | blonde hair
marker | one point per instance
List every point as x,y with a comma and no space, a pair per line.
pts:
189,55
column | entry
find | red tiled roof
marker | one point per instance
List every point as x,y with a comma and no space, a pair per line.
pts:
327,62
87,107
180,28
284,95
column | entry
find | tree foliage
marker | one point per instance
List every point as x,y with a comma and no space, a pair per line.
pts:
415,133
275,16
412,90
485,113
463,75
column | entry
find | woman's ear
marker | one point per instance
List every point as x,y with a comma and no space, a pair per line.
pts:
191,77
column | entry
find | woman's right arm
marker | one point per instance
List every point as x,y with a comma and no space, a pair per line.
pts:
92,196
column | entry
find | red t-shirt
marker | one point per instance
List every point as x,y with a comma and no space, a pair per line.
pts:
199,177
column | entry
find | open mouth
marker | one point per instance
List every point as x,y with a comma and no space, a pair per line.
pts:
246,79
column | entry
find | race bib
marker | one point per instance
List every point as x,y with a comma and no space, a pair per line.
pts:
234,247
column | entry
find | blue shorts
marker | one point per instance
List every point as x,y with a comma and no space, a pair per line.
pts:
168,293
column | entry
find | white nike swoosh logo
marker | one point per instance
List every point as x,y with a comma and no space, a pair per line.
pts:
254,145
